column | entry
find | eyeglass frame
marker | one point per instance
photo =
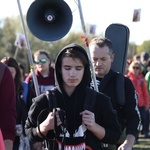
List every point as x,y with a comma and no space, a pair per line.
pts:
40,61
137,68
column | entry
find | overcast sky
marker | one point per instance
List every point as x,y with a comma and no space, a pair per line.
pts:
99,12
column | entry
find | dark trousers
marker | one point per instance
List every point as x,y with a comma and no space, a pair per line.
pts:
143,119
147,122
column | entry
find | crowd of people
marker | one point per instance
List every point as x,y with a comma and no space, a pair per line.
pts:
68,113
138,70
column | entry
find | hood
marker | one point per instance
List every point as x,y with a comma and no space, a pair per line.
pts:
58,76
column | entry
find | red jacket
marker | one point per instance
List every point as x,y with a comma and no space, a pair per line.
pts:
140,86
44,83
7,106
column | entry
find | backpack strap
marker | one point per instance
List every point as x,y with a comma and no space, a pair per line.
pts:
106,80
25,91
51,97
120,89
2,68
90,99
141,81
119,86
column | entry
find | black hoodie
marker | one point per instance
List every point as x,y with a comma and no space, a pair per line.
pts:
77,135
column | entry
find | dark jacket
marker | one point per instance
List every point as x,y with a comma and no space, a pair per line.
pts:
128,114
73,105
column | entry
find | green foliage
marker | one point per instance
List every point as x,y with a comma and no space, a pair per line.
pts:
10,27
132,50
143,144
144,47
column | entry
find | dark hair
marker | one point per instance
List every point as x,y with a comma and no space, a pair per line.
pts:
101,42
11,62
73,53
144,56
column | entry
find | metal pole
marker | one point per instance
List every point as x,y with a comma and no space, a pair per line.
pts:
87,45
32,66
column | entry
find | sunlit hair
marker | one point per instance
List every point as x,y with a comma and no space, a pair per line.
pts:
39,52
11,62
101,42
135,62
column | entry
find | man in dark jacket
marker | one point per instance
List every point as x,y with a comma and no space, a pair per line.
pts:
76,127
128,114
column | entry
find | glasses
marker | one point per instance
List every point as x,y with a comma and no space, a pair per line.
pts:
41,61
136,68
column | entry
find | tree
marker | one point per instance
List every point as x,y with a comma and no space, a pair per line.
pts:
131,50
144,47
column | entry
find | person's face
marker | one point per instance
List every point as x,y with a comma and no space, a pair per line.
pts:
72,72
13,71
136,69
42,62
101,59
145,62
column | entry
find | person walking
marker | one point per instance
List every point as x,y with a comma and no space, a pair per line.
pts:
140,84
102,55
60,116
7,107
44,72
24,97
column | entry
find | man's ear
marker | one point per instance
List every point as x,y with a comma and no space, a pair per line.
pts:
112,57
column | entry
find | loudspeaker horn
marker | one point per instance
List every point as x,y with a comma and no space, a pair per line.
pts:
49,20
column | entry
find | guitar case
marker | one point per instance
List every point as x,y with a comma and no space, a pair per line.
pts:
119,36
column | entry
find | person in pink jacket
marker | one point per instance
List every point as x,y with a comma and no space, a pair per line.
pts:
140,84
2,147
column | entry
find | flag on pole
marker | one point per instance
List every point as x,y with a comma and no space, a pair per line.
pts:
136,15
20,41
92,29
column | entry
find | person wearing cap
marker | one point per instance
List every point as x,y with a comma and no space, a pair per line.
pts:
70,126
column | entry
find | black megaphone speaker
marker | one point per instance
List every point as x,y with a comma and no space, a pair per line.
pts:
49,20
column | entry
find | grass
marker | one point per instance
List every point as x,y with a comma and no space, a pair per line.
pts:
144,144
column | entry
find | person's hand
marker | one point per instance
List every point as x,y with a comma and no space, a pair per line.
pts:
125,146
50,120
128,143
88,118
8,144
48,123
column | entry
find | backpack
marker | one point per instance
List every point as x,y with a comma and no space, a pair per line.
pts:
119,86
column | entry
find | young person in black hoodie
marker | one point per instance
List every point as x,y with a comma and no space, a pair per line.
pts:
79,129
